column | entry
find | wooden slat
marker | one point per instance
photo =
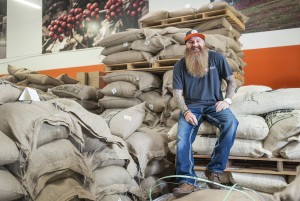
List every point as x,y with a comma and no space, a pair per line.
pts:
158,66
279,166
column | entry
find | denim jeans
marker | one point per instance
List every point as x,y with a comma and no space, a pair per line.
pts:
225,121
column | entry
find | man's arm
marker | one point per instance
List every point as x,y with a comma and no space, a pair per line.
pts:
179,100
231,86
188,115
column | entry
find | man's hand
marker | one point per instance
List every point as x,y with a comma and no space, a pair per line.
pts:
191,118
221,105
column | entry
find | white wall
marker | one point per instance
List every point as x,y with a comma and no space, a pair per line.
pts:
24,38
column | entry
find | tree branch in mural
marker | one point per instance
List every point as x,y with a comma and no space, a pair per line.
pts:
70,25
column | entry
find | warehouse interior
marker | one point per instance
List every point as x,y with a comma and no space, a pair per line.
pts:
100,122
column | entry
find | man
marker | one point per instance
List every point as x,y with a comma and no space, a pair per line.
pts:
197,91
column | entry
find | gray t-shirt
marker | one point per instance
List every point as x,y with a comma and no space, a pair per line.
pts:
206,90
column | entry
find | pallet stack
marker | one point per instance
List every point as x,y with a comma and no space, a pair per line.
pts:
214,19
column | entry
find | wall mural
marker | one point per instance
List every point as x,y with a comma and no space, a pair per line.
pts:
3,26
78,24
268,15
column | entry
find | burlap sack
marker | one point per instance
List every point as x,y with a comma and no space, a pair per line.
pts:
145,147
229,42
88,104
63,112
23,83
214,43
259,182
154,16
291,151
167,85
81,92
49,133
144,80
125,122
9,152
10,187
9,78
127,57
113,102
217,195
9,92
153,44
172,30
291,192
44,96
234,66
60,156
43,88
19,73
40,79
251,88
217,23
154,101
222,5
106,156
92,143
117,48
151,119
122,37
181,12
265,102
159,130
241,147
172,52
113,180
251,127
95,125
148,183
179,38
233,34
156,166
120,89
64,189
122,197
67,79
283,124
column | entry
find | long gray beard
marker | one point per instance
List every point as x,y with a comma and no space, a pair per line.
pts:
197,62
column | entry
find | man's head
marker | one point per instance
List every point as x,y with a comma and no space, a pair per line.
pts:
196,53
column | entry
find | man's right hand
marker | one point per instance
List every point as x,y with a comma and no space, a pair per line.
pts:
191,118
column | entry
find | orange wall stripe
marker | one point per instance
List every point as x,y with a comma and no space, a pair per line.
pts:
277,67
72,70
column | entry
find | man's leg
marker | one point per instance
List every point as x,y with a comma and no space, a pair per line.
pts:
227,123
185,161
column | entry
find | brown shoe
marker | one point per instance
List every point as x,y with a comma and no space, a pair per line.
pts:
214,177
184,189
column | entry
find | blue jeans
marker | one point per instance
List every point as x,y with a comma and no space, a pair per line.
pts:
225,121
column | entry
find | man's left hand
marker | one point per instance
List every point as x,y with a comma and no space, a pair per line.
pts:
221,105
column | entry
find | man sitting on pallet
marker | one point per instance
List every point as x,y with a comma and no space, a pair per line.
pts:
197,91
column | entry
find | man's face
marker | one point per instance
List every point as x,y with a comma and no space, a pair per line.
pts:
195,43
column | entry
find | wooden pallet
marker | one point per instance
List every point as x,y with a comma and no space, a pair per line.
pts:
275,166
157,66
191,20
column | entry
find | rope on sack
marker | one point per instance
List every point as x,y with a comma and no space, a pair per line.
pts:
232,188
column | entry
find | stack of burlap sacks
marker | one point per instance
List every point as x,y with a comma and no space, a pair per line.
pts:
62,86
269,126
168,43
57,150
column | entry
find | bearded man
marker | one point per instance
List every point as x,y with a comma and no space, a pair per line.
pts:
197,82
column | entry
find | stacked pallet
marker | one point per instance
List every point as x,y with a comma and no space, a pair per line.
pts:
220,22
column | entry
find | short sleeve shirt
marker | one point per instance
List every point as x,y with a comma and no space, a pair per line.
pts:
206,90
